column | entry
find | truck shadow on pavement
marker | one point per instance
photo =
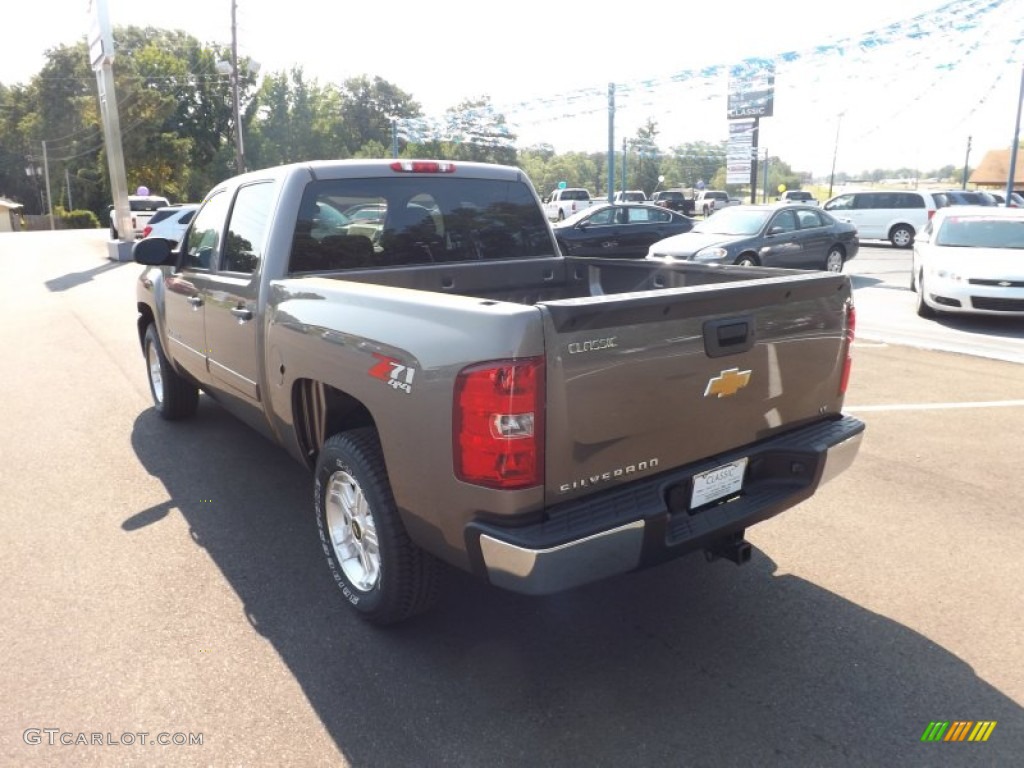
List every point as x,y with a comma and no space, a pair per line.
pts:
75,279
685,664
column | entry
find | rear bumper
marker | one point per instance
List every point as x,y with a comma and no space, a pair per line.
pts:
649,521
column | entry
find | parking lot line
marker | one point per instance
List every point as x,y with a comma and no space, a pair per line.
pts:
932,406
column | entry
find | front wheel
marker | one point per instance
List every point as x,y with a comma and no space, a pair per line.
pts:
834,259
901,236
923,310
747,260
173,396
381,573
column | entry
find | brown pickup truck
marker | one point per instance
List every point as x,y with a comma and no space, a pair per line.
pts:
461,392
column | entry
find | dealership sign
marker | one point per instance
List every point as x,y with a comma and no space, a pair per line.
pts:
751,89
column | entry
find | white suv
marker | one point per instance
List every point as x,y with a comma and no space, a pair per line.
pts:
171,222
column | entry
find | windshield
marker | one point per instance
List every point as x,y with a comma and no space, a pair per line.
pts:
981,232
734,221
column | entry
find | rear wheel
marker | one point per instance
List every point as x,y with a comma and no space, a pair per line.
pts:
561,215
834,259
382,574
174,397
902,236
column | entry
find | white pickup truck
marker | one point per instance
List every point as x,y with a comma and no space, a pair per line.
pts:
562,203
710,200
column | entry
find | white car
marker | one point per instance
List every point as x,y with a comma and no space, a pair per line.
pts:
970,259
170,222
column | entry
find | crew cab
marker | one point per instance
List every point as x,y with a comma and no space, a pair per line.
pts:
462,393
563,203
710,200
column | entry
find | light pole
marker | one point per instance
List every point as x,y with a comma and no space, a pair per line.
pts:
835,152
967,159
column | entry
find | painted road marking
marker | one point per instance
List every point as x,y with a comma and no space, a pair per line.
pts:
933,406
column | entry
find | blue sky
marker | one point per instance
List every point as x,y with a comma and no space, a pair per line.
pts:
911,79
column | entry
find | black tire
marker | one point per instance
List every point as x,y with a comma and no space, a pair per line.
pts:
384,576
747,260
923,310
561,215
174,396
113,232
834,259
902,236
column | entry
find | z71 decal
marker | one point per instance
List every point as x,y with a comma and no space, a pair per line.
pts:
396,374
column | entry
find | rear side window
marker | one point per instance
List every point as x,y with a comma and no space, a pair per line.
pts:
163,213
421,219
243,246
575,194
909,200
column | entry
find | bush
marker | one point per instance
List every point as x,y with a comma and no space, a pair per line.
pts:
77,219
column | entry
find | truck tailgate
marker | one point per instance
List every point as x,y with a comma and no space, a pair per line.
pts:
645,382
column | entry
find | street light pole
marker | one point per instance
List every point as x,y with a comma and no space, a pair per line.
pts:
835,152
49,199
239,149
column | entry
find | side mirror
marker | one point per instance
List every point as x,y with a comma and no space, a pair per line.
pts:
154,252
776,230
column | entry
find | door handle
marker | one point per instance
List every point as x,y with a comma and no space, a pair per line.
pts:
242,313
195,301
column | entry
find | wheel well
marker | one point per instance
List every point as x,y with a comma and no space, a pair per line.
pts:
145,318
745,254
319,411
838,247
902,225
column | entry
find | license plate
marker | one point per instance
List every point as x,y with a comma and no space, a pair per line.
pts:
717,483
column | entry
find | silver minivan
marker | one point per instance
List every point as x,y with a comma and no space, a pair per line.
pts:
885,214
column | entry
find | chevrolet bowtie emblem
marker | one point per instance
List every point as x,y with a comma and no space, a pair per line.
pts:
728,382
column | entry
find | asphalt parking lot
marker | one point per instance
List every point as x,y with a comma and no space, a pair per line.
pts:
163,579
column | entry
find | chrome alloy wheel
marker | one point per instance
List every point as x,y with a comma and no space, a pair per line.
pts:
353,531
834,260
156,378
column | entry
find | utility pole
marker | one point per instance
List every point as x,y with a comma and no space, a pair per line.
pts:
967,158
1016,142
611,141
67,183
49,198
623,166
835,152
239,149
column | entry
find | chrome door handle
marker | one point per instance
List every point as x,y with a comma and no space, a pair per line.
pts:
195,301
242,313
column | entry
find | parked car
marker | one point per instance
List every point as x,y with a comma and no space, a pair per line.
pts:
710,200
674,200
949,197
1016,199
171,221
791,235
885,215
142,207
797,196
618,230
630,196
970,259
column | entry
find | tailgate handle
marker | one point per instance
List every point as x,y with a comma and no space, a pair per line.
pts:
729,336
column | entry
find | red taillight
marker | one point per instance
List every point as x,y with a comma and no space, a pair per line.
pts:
422,166
851,332
498,436
147,230
931,212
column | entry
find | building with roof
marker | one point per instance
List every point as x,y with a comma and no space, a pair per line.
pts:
10,215
994,170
